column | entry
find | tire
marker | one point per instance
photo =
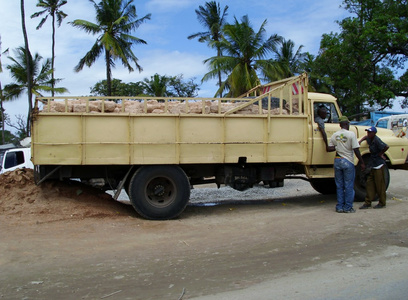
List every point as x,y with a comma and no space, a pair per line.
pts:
361,181
159,192
325,186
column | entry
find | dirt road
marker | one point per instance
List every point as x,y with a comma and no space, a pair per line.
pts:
293,246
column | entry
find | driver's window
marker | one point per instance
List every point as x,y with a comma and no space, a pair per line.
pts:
321,110
334,116
327,111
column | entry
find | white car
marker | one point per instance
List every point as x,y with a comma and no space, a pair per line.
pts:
397,123
15,159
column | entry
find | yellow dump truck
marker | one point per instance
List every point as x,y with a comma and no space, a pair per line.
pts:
157,148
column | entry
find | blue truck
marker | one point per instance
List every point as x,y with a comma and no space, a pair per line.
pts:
374,116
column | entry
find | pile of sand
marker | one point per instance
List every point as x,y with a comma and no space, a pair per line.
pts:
21,198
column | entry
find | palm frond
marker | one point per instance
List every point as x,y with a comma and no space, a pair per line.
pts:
87,26
90,57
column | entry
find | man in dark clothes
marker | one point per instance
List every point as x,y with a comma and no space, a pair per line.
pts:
319,119
376,180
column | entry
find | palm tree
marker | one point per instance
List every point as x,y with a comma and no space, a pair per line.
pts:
115,21
28,65
287,62
156,85
245,54
318,82
212,18
39,82
2,116
51,8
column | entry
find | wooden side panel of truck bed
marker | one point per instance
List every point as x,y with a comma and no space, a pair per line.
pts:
117,139
270,123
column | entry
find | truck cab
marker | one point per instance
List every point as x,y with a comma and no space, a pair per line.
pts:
16,159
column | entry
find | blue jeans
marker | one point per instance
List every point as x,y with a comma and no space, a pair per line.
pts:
344,174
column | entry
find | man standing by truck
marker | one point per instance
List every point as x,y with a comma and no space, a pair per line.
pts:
375,180
345,143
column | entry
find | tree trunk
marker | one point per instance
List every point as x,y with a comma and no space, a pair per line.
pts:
3,139
28,71
53,56
219,54
108,72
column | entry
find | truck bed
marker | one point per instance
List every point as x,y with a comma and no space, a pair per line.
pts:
268,124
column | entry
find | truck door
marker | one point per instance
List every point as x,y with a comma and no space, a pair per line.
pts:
319,154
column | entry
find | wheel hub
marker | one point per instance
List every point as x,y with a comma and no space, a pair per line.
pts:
158,190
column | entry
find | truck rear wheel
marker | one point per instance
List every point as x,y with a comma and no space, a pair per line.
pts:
159,192
361,181
325,186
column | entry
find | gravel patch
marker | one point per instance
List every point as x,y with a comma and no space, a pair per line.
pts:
209,194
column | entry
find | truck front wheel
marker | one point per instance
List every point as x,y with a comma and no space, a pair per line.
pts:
159,192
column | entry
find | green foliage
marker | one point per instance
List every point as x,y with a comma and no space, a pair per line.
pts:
157,85
51,8
20,127
116,19
213,19
40,80
363,59
180,88
9,138
173,86
2,98
286,61
317,82
119,88
245,52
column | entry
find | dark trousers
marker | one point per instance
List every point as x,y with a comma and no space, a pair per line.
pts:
376,186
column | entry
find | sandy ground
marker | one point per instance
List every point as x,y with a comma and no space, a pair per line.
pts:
71,242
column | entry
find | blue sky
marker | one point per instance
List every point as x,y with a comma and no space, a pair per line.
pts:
168,51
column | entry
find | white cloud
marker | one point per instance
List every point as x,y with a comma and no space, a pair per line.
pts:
175,62
304,22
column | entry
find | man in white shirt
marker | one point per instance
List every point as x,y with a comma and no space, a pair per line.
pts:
345,143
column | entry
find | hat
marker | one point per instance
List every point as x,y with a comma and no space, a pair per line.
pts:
344,119
372,129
